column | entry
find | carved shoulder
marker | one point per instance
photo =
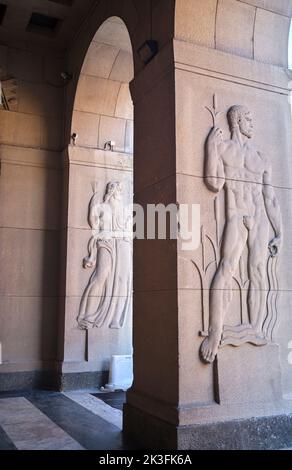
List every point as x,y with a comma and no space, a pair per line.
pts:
229,144
94,212
227,147
95,204
267,168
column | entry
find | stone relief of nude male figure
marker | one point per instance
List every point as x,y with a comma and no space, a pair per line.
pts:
244,174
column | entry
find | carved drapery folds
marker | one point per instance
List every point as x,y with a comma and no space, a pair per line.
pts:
245,258
107,299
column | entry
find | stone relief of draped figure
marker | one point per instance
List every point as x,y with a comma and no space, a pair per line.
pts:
107,299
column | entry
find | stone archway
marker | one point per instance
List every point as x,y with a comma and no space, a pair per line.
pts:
148,119
98,309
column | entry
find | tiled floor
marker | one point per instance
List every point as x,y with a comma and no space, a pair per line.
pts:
62,421
56,421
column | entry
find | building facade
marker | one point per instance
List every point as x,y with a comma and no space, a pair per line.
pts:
183,102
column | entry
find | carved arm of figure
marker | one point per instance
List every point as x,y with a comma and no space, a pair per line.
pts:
214,169
94,222
273,212
90,260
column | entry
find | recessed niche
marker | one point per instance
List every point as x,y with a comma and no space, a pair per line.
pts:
43,24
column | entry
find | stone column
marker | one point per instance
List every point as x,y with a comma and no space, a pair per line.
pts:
192,391
155,327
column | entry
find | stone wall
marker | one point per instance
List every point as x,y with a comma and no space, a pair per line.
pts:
246,28
31,139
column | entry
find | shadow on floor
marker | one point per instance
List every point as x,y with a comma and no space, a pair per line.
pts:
113,399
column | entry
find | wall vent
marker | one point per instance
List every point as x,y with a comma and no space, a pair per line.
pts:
40,23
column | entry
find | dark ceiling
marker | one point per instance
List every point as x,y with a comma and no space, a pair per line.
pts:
49,23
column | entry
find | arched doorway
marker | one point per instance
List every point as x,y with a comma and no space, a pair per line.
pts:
98,308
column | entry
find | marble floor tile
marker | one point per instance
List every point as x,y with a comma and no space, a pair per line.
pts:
98,407
90,430
30,429
43,420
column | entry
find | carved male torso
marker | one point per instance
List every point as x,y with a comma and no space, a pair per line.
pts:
244,168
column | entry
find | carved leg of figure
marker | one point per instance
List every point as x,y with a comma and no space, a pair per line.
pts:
235,237
123,285
218,296
93,294
257,296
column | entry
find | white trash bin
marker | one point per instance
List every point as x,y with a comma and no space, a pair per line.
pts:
121,373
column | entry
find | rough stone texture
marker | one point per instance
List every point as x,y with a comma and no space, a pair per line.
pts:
29,130
52,380
83,380
30,139
266,433
156,434
270,25
32,329
283,7
243,28
195,21
235,28
256,379
270,433
34,380
86,125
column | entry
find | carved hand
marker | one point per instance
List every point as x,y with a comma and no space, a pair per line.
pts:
216,136
87,264
275,246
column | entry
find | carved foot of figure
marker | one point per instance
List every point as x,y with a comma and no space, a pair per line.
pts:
209,347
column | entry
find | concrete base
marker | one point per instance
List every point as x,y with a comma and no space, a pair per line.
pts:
83,380
32,380
248,375
264,433
51,380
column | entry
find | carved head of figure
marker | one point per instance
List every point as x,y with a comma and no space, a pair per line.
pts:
113,191
240,118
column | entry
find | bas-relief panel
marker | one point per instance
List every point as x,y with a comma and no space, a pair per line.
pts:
245,254
88,168
273,135
107,299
